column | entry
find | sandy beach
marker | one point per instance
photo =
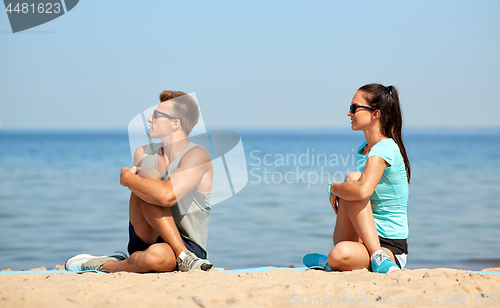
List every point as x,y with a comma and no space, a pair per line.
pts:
275,288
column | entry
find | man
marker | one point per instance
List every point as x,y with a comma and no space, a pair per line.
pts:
171,197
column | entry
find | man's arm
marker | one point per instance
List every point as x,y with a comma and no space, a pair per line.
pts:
139,155
193,165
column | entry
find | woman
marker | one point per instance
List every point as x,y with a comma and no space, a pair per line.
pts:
372,228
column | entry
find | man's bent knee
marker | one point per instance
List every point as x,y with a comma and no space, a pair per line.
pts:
150,173
159,258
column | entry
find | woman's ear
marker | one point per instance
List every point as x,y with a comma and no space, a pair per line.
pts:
376,114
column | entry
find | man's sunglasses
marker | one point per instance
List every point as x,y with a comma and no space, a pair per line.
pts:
157,114
354,107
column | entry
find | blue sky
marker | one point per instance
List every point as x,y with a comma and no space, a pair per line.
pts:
255,64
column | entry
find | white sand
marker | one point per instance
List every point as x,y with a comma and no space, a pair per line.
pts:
275,288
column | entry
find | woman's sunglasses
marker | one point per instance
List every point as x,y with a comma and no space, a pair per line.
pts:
354,107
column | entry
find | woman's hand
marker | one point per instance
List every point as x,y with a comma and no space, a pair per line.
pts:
334,200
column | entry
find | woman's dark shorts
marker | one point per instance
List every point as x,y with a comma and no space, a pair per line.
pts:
398,247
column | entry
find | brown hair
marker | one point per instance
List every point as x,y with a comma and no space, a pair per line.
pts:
167,95
386,100
185,108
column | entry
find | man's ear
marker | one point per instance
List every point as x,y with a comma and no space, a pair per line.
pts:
176,124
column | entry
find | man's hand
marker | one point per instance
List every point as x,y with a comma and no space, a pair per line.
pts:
334,200
125,173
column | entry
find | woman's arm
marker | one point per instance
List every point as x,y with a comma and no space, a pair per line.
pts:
363,188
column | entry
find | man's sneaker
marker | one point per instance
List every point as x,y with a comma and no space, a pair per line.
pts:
188,261
382,263
85,262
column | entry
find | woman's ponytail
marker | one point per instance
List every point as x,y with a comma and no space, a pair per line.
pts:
386,99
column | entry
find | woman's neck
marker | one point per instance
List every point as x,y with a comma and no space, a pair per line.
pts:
373,137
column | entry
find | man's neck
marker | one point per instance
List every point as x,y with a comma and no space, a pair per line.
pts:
174,146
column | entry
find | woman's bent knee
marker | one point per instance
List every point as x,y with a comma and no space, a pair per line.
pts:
353,176
346,256
338,256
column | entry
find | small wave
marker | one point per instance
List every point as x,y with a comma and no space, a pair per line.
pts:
484,262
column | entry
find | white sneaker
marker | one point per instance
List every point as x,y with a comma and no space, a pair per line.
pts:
188,261
85,262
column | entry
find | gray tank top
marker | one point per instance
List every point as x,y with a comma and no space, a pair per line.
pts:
191,213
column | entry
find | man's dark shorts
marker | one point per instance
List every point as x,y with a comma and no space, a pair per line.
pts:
136,244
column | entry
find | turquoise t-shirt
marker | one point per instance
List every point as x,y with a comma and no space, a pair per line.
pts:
390,198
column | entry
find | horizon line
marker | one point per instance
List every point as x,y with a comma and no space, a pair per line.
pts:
243,129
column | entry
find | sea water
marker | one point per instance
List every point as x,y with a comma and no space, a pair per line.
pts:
60,195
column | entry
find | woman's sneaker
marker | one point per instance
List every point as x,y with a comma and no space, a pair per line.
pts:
381,263
188,261
316,260
85,262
